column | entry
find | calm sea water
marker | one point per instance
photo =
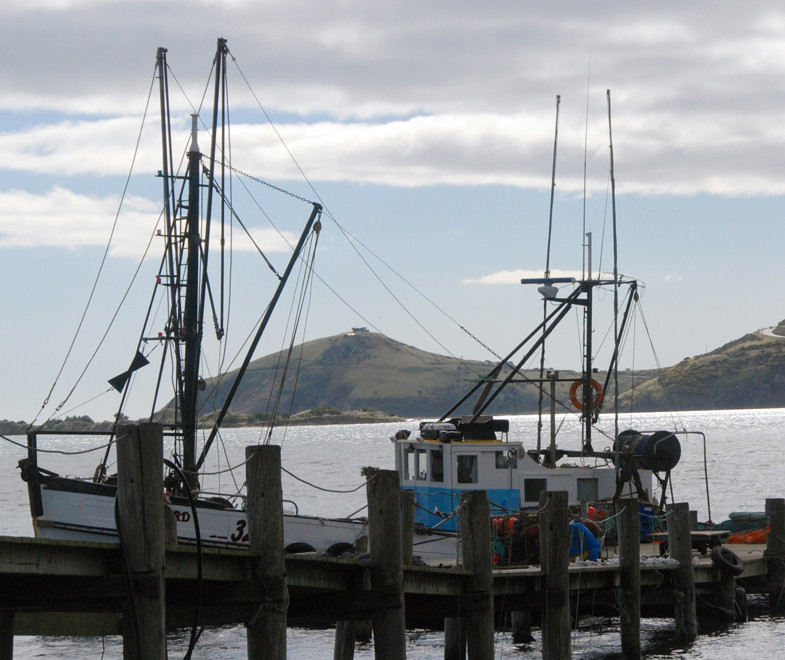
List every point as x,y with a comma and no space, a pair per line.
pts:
744,461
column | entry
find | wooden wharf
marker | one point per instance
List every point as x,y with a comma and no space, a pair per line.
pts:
79,588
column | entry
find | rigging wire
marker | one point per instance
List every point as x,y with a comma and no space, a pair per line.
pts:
100,269
326,490
330,215
55,451
305,288
368,322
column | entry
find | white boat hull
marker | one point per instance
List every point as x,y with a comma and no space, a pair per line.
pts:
78,514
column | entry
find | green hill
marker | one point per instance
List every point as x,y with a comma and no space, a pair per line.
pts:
746,373
366,370
353,371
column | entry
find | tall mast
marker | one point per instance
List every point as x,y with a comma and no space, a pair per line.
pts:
588,392
191,330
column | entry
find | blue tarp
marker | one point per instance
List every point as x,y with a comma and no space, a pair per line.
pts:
582,541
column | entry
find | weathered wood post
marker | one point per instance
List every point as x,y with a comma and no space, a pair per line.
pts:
521,626
267,627
384,538
407,526
680,546
630,578
454,638
363,629
475,525
555,558
349,632
345,636
6,634
775,553
726,595
140,509
694,520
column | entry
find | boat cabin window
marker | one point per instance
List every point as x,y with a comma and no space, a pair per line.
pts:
416,466
467,468
437,465
532,489
506,460
588,490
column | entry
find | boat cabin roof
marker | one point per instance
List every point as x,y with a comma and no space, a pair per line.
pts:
461,429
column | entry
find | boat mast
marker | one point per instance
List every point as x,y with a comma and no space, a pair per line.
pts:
191,331
588,391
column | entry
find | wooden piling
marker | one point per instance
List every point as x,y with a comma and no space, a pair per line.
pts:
554,558
345,635
521,627
454,638
6,634
694,520
630,578
475,528
140,511
170,527
680,546
384,537
267,628
407,526
775,553
726,595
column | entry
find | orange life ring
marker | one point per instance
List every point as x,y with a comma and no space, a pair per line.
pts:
577,402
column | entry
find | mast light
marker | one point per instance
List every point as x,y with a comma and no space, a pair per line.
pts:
194,143
547,287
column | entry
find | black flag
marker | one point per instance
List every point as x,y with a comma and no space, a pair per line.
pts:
119,381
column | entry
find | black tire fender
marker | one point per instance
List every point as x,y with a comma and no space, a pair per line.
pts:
337,549
727,561
298,547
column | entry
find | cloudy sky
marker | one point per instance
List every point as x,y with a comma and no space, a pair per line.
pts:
427,130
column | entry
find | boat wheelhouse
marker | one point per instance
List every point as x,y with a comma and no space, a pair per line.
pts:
448,458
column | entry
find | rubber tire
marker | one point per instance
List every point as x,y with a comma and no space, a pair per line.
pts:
727,561
337,549
298,547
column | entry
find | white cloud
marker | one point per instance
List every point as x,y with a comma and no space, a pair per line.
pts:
65,219
411,94
515,276
62,218
101,147
448,149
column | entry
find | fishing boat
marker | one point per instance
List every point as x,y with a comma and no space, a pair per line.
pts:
443,458
455,453
83,508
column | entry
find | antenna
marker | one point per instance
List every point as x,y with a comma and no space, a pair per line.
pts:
585,151
550,289
553,188
615,272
